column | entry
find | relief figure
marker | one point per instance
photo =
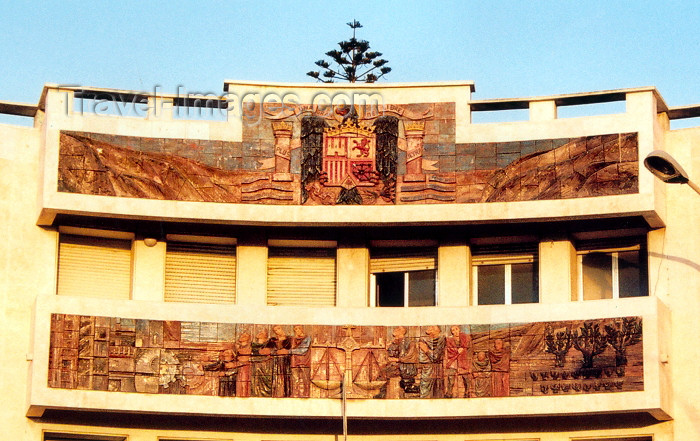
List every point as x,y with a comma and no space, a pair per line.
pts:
228,372
457,363
432,350
481,372
499,357
300,363
402,358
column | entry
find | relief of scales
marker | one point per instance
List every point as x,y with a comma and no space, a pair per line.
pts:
334,367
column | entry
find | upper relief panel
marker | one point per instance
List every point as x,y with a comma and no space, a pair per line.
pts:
384,154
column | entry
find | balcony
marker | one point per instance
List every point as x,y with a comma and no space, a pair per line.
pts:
247,169
606,356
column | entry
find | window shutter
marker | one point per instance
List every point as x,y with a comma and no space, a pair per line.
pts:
94,267
502,254
56,436
389,260
200,273
301,276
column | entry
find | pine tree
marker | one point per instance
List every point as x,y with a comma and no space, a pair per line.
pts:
354,62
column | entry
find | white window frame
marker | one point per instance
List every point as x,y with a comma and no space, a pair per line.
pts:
373,288
614,253
403,244
507,260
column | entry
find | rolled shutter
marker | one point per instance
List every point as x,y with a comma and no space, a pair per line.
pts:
503,254
200,273
94,267
301,276
389,260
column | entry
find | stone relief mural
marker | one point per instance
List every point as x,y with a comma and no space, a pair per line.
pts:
389,154
380,362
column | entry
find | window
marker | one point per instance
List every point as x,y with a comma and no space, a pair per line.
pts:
612,269
403,276
617,438
301,276
56,436
94,266
505,274
198,272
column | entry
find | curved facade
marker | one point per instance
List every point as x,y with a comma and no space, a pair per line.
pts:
291,261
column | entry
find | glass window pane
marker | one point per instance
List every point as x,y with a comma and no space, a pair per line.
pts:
390,289
597,276
523,277
421,288
632,274
491,280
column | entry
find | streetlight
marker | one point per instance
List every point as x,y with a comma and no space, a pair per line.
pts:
663,166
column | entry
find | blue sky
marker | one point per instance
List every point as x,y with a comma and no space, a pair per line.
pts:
508,48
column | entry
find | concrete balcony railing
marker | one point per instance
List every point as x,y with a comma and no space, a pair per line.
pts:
245,170
524,360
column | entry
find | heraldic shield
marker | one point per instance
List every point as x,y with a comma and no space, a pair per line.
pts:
349,154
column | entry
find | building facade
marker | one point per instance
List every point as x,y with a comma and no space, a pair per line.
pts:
291,262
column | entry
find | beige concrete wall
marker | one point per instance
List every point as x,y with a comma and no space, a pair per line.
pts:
675,260
148,273
453,274
251,271
27,269
557,271
352,263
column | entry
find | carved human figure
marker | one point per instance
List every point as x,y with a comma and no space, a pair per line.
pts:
244,351
457,362
499,356
281,365
228,372
301,363
431,353
402,359
481,372
262,365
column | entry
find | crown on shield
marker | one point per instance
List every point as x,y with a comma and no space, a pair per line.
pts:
350,126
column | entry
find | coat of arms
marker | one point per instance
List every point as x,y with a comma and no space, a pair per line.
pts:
349,156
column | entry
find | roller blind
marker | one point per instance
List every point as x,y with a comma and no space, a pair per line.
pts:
301,276
388,260
94,267
55,436
200,273
503,254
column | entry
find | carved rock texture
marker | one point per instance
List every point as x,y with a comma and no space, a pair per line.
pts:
216,171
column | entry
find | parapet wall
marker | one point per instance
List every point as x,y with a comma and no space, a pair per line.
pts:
520,360
407,146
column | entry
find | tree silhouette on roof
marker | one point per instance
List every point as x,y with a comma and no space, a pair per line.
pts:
354,62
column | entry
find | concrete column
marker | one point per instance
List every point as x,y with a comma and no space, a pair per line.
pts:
283,137
453,274
352,285
558,271
251,272
160,108
543,110
60,102
148,274
414,132
641,104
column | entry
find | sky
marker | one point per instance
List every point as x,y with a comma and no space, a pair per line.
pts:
508,48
